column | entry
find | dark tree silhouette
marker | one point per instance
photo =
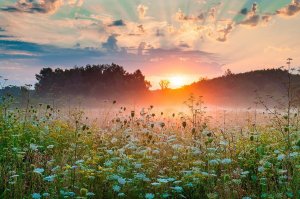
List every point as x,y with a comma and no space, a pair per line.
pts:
164,84
91,80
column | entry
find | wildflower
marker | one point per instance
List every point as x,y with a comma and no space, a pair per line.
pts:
90,194
155,184
114,140
224,143
71,194
280,157
116,188
108,163
46,195
245,172
261,169
38,170
36,196
277,151
121,180
121,194
79,161
294,154
226,161
55,168
178,189
177,182
50,146
137,165
121,169
49,178
149,196
213,162
33,147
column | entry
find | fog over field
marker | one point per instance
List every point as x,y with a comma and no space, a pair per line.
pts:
138,99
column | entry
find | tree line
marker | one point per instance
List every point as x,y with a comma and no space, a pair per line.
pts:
91,80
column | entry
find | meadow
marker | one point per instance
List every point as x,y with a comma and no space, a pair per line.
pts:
47,152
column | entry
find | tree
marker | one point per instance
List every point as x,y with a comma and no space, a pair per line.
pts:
106,80
164,84
228,73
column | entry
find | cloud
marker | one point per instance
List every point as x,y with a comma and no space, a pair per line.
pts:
142,11
111,44
141,47
244,11
34,6
252,18
225,32
118,23
180,16
292,9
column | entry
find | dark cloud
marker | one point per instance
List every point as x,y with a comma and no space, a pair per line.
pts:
292,9
118,23
141,47
183,17
34,6
266,18
244,11
183,45
253,19
47,55
225,33
111,44
141,28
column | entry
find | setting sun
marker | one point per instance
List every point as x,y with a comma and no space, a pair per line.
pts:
177,81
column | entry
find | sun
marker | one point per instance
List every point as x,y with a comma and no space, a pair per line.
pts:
177,81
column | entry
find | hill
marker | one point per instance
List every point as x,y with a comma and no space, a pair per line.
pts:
236,89
95,83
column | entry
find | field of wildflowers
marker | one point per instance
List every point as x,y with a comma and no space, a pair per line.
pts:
49,153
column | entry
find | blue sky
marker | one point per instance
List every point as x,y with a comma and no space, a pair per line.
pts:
190,38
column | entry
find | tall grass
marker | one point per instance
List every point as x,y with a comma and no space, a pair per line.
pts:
45,153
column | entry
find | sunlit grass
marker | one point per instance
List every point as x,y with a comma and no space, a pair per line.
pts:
143,154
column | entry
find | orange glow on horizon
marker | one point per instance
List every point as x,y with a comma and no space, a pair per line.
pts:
177,81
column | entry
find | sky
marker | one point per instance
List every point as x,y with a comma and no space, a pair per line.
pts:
190,39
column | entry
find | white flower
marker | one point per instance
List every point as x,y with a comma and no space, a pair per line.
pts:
155,184
121,180
261,169
114,140
50,146
49,178
178,189
38,170
137,165
116,188
213,162
108,163
36,196
149,196
33,147
280,157
226,161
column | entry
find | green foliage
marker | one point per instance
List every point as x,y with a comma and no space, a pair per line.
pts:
47,154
